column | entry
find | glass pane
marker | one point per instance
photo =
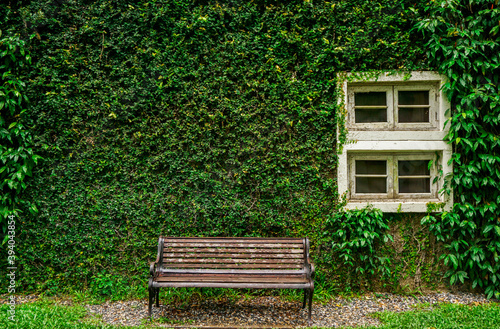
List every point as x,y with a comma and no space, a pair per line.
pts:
414,185
370,99
413,115
413,97
413,167
370,115
371,185
371,167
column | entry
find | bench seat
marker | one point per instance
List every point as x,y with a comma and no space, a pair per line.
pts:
234,281
260,263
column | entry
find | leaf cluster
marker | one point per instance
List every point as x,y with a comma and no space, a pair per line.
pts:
17,158
464,42
357,235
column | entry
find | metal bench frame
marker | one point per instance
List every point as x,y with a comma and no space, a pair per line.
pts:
260,263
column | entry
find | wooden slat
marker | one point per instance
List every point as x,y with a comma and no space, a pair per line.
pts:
233,261
223,255
237,245
195,271
256,266
232,285
254,279
236,274
234,250
234,240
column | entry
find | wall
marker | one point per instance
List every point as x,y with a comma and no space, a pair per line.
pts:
188,118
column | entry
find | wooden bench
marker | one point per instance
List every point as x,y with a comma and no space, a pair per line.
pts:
232,263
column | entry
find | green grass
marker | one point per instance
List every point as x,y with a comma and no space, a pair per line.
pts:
46,314
446,316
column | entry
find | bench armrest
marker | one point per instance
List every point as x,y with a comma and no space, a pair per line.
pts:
311,268
152,269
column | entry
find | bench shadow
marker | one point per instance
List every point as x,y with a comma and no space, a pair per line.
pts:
259,311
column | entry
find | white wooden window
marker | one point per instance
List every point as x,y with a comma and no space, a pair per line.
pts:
393,176
393,107
396,124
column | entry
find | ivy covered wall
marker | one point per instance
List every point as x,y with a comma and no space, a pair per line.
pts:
189,118
464,43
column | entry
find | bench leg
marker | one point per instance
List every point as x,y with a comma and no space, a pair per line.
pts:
311,292
150,297
305,298
157,297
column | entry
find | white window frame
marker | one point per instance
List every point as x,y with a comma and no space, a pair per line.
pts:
408,139
352,177
433,107
392,175
371,125
391,91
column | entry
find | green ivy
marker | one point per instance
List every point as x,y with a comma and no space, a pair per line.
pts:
357,235
16,153
464,43
203,118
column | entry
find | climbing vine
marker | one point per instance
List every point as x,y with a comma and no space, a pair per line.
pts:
464,43
17,158
358,234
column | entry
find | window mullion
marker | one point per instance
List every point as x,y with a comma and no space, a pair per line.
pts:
391,178
352,175
393,115
434,187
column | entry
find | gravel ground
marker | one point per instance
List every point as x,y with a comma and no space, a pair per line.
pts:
268,311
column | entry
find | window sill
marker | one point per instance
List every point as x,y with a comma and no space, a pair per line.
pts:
398,206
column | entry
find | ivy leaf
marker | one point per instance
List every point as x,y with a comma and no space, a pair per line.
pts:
454,260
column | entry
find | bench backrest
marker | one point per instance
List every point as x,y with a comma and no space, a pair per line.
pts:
283,256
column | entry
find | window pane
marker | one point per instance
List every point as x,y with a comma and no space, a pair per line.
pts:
414,185
370,99
370,115
413,168
371,167
420,97
371,185
413,114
